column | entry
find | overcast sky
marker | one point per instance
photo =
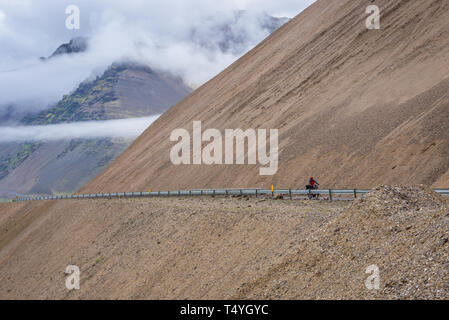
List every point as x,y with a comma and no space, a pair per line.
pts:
30,28
151,31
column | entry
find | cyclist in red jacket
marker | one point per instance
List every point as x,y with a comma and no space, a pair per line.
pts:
313,182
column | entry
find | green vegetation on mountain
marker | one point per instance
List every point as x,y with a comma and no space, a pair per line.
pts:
76,106
10,163
125,90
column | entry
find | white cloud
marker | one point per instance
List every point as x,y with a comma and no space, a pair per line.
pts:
123,128
153,31
42,83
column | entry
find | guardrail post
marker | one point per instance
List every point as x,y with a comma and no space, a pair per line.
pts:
202,192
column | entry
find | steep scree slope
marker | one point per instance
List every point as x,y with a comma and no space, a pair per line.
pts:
355,107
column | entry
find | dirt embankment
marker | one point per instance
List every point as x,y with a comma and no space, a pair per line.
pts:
227,247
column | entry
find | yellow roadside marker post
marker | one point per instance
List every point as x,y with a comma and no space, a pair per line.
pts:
272,191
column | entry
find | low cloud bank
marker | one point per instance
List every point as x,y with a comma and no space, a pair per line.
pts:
123,128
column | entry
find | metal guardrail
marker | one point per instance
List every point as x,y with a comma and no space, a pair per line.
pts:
290,193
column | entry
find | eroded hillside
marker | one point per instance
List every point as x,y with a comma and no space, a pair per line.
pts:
354,107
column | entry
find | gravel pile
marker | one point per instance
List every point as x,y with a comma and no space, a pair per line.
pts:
387,200
404,231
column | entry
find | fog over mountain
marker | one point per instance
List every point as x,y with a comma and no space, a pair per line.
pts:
73,100
121,128
181,38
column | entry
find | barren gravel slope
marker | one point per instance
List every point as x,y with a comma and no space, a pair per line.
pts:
152,249
355,107
193,248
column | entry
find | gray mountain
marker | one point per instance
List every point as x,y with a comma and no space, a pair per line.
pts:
75,45
235,33
123,91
